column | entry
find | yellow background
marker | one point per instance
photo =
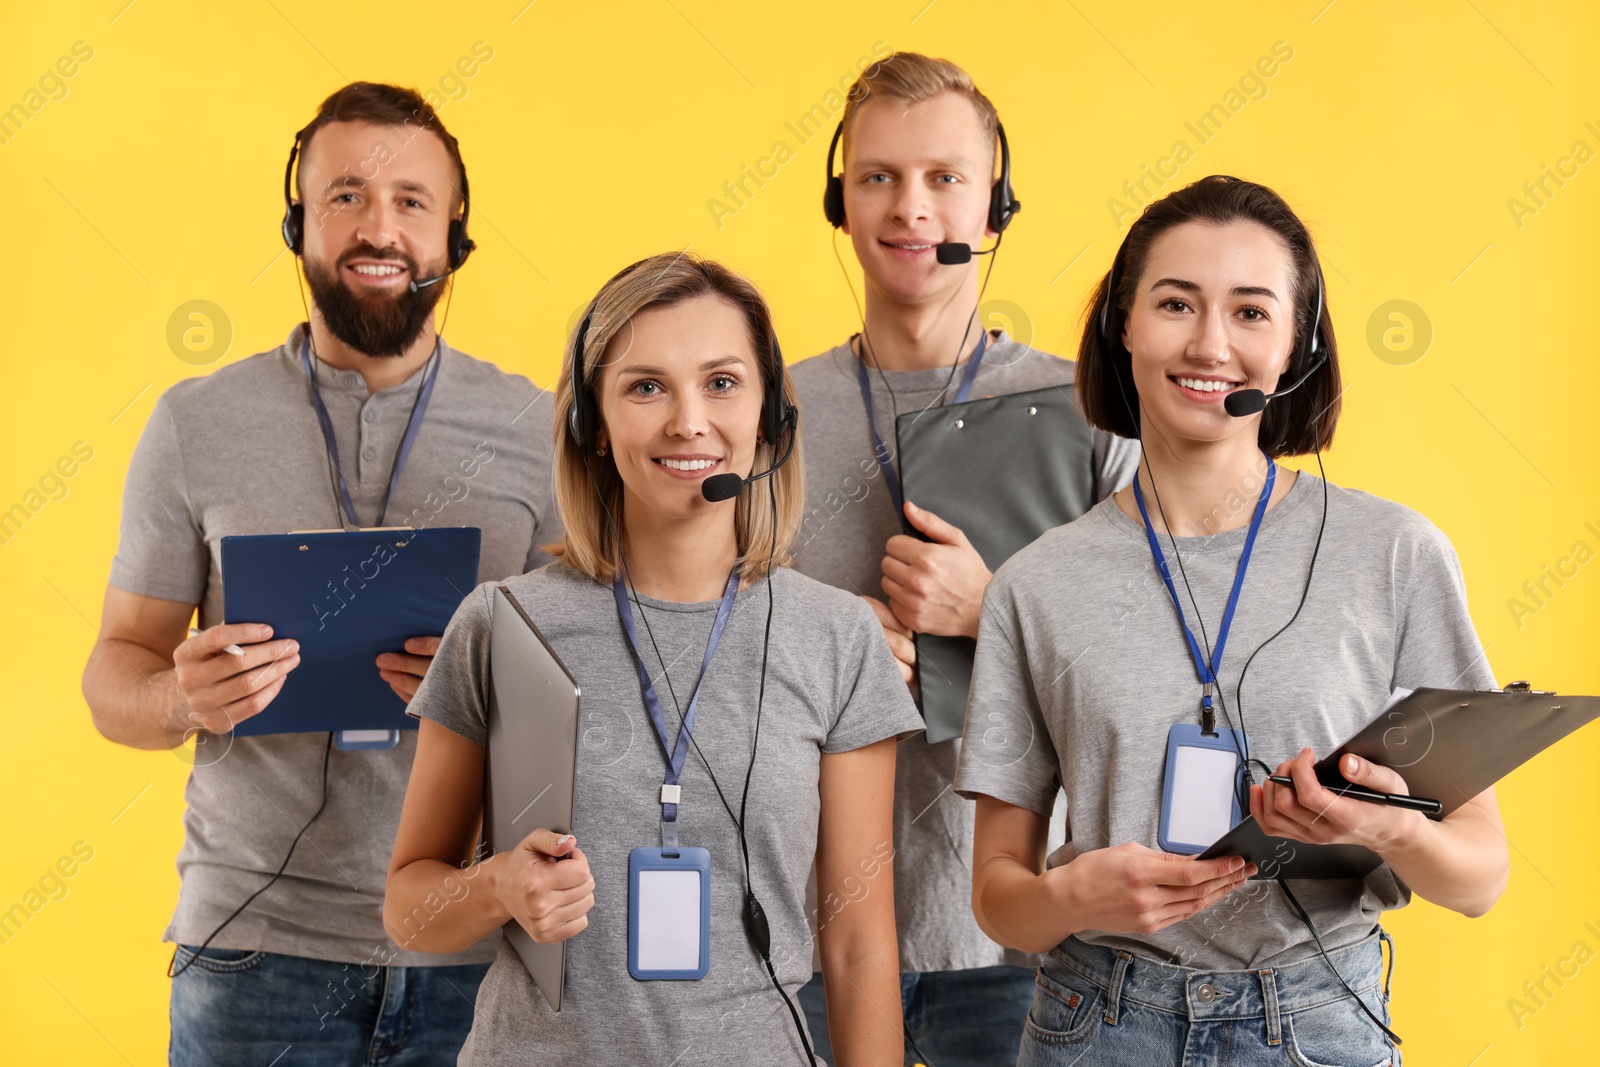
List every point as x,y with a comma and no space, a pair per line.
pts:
597,133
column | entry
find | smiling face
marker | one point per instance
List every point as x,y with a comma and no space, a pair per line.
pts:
1213,311
378,210
915,175
679,394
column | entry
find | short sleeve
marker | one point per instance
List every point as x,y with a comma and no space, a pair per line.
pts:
1116,459
1437,643
1006,751
455,691
161,551
872,699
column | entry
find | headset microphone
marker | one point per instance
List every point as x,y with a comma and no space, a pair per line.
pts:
1243,402
720,487
954,253
417,286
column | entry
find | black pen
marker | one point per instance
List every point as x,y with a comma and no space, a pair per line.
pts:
1426,805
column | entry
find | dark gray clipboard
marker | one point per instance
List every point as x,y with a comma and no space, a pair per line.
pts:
1004,469
1448,744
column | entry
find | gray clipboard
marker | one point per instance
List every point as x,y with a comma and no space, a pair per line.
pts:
1004,470
533,759
1448,744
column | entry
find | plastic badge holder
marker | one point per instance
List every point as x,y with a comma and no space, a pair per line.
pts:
1190,805
669,913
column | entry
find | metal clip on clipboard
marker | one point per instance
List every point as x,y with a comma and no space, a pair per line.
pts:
1446,743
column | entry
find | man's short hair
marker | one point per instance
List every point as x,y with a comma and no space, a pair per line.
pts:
910,77
384,105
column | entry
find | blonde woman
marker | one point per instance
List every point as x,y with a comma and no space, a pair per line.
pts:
792,699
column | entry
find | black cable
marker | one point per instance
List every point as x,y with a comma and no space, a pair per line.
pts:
755,921
1239,697
894,401
437,353
327,752
1246,761
333,486
1238,690
971,320
1284,885
1239,736
866,339
761,693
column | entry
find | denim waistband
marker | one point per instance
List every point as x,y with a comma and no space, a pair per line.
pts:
1199,995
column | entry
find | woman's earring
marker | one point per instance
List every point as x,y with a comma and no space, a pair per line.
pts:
600,451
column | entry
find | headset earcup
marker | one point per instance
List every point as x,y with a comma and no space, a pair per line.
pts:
458,245
294,225
775,410
581,419
1308,345
1003,207
833,201
575,422
1302,355
577,416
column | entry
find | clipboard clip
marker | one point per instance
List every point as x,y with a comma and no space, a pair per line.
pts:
1523,687
354,529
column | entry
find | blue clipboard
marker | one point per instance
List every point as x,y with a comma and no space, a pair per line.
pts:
346,596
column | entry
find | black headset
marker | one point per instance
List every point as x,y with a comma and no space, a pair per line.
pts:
1003,204
583,420
1309,349
457,244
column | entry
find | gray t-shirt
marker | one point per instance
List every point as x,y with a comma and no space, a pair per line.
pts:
1082,669
849,518
831,687
240,452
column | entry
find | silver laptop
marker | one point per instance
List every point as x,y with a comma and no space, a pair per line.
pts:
533,759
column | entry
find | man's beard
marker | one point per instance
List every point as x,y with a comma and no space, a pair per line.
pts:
375,324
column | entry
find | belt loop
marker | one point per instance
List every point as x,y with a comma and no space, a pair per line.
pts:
1269,998
1114,987
1388,974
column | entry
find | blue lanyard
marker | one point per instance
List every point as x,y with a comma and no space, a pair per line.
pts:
1208,672
674,754
891,480
418,410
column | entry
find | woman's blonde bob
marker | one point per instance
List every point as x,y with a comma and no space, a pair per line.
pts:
588,485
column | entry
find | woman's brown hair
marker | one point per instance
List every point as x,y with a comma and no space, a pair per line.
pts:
1293,425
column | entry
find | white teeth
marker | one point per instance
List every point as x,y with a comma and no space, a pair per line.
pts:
688,464
909,248
1205,385
376,271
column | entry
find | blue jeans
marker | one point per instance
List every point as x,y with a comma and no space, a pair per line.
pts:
1094,1005
967,1018
236,1006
